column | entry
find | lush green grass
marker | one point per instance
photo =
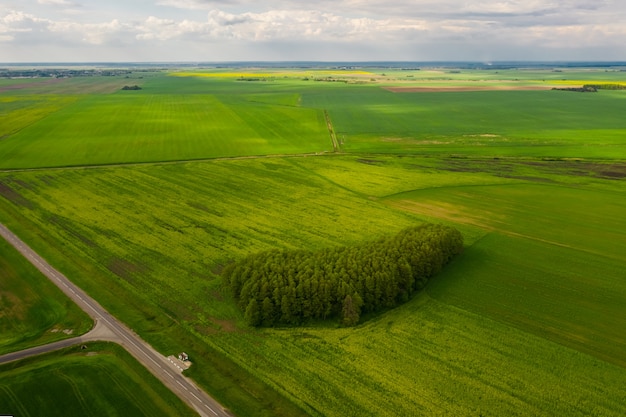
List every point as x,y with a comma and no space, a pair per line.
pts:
552,262
18,112
486,123
570,296
182,118
150,254
153,268
163,235
33,311
136,126
429,358
582,220
102,380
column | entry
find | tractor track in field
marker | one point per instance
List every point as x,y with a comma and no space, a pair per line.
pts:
178,161
331,131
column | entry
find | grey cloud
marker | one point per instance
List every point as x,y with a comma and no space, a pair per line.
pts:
226,19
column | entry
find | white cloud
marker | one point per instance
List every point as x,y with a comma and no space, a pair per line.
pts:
416,29
91,33
276,25
187,4
15,22
56,2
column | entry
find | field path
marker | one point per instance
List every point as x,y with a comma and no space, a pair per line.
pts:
109,328
331,131
172,162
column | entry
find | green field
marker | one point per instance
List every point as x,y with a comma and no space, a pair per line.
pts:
74,122
551,262
33,311
140,126
527,321
430,358
101,380
477,123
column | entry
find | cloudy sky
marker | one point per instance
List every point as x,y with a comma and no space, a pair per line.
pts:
322,30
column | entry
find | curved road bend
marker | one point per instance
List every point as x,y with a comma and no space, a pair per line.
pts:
156,363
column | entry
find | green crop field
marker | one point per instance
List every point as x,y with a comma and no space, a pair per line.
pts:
485,123
238,207
90,122
429,358
140,126
526,321
551,262
101,380
33,311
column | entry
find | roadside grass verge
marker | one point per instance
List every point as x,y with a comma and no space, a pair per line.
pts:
101,380
33,311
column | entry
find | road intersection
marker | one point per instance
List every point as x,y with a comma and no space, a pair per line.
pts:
109,328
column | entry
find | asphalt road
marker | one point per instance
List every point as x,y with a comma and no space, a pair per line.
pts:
99,332
109,328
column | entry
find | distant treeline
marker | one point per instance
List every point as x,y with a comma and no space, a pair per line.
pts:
251,79
290,287
59,73
593,88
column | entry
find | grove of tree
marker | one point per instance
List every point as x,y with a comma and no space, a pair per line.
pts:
290,287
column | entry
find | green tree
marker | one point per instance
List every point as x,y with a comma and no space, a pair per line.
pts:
340,282
351,312
267,312
287,309
253,314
